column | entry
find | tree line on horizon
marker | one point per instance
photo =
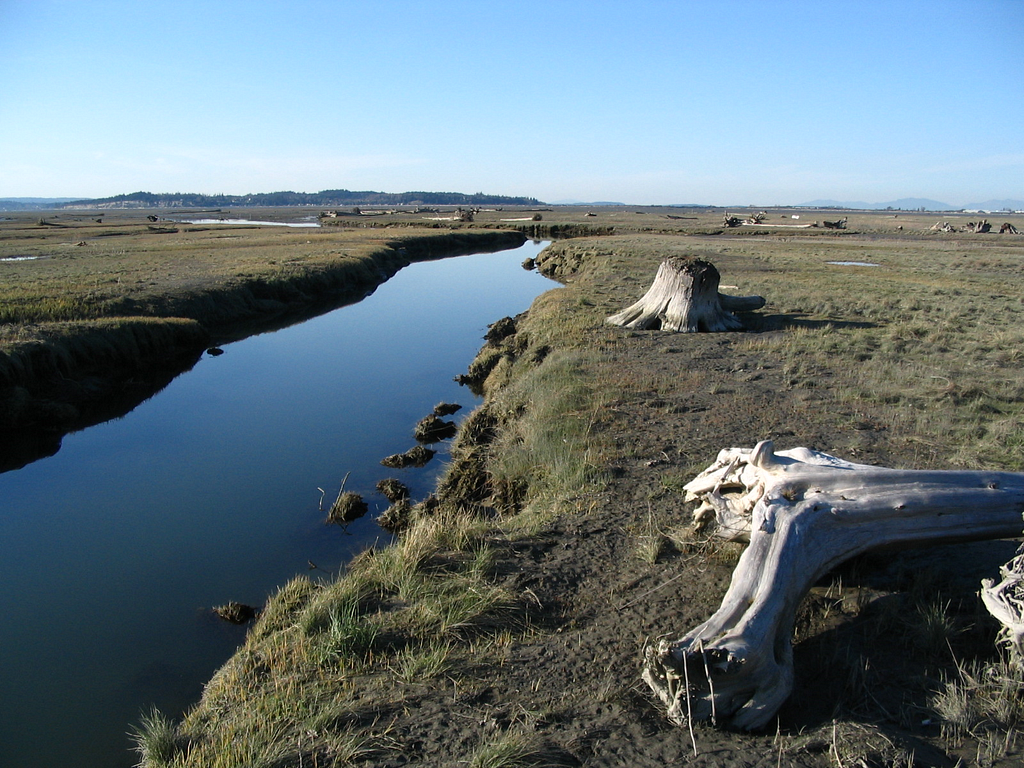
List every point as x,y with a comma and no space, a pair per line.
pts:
326,198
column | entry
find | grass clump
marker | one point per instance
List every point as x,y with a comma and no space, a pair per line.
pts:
347,507
155,740
294,692
419,664
650,540
518,749
347,635
983,700
546,456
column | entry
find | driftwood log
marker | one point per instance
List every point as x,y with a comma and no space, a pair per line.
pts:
1005,601
804,513
684,297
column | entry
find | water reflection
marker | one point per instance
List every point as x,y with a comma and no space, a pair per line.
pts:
251,222
109,398
113,550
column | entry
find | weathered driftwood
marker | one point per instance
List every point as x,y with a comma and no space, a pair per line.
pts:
684,297
840,224
1005,601
804,513
749,221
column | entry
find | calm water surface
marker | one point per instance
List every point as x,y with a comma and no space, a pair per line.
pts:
113,551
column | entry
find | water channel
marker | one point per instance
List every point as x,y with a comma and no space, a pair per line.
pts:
114,550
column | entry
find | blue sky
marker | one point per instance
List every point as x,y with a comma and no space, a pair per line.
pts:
656,102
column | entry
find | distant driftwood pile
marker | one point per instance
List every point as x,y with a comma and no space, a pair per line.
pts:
974,227
760,220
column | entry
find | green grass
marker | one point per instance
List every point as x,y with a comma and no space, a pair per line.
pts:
155,739
546,457
420,664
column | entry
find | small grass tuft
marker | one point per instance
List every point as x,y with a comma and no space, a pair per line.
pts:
347,507
156,740
419,664
981,700
348,635
934,628
516,749
651,542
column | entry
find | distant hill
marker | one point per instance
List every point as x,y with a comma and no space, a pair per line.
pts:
31,203
903,204
325,199
917,203
856,204
584,202
996,205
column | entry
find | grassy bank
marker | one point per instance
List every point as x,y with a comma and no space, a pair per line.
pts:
327,661
85,300
503,628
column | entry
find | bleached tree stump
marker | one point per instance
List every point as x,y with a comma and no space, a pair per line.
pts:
804,513
684,297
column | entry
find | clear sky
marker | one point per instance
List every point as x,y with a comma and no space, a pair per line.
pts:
643,102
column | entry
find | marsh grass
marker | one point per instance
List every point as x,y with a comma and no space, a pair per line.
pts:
57,348
518,749
155,739
982,700
547,448
125,263
930,351
848,744
419,664
117,297
292,692
650,541
348,635
287,693
934,628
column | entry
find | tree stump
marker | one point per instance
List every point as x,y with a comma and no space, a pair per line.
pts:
804,513
684,297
